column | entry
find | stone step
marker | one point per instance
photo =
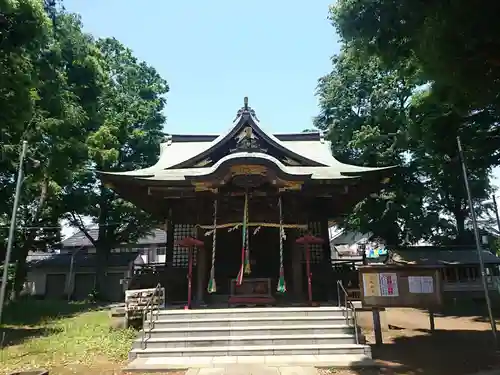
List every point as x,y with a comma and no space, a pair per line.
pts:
253,350
245,321
266,330
178,314
164,364
266,340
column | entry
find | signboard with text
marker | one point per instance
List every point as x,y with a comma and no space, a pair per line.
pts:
400,286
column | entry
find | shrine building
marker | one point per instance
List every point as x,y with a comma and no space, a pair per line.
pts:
248,195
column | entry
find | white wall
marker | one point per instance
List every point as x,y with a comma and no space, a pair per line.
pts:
160,259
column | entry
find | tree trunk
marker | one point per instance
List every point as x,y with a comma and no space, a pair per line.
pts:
102,251
102,245
102,256
19,278
20,268
22,253
390,234
460,221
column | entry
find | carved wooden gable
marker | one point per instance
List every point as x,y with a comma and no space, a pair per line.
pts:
247,137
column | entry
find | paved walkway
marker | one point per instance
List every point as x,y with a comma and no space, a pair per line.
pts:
253,370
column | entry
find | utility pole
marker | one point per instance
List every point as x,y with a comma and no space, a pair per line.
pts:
495,207
12,229
478,244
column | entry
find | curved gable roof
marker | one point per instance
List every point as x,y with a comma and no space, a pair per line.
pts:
180,154
245,119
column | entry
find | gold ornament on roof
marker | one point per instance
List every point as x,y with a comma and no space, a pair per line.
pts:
289,161
290,185
246,134
203,186
238,170
203,163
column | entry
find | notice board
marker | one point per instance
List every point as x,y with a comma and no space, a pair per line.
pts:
400,286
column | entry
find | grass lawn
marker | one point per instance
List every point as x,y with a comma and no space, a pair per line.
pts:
65,338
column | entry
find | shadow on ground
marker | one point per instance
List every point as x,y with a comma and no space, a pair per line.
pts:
440,353
32,318
475,309
15,336
33,311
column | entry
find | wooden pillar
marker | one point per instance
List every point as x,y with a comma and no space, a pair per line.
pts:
432,325
377,326
201,268
169,245
169,254
325,235
297,271
327,283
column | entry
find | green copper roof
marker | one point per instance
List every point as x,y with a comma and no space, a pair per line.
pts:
312,147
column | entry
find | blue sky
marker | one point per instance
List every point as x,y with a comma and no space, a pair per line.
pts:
213,53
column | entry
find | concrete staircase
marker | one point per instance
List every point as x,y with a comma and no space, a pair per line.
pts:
317,336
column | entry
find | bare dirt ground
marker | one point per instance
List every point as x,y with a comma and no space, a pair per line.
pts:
461,345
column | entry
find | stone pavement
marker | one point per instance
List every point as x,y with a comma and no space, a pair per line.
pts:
285,362
253,370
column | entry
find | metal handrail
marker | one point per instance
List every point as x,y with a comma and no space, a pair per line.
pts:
151,308
349,306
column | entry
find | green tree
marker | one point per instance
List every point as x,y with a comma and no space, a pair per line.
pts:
62,75
380,116
436,122
454,42
365,111
127,136
24,31
82,106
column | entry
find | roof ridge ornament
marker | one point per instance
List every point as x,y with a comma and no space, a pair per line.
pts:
246,110
322,136
247,141
167,138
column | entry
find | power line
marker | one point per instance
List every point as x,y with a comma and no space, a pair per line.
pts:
87,227
62,226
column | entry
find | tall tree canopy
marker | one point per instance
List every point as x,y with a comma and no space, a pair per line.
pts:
376,115
61,77
24,31
365,112
127,133
454,41
435,124
82,105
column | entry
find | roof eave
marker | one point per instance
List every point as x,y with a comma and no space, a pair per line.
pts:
369,171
